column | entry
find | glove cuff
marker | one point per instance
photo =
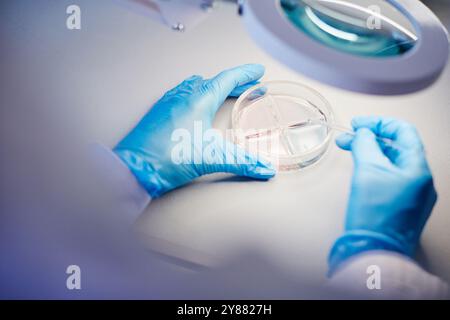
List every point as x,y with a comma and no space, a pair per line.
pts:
354,242
144,171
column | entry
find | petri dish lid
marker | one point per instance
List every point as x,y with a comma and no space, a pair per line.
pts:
370,46
284,122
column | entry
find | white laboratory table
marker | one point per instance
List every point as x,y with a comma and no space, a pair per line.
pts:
121,62
293,219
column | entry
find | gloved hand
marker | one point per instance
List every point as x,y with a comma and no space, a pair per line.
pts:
182,115
392,191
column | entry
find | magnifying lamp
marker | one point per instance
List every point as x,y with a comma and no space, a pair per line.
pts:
382,47
369,46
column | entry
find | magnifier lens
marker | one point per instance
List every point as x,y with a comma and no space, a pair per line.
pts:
364,27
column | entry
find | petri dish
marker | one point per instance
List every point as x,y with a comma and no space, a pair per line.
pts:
284,122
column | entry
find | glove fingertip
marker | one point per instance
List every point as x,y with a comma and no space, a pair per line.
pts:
254,66
357,120
241,89
344,141
263,170
265,163
365,132
262,173
257,69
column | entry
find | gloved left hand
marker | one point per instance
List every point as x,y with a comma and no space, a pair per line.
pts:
148,149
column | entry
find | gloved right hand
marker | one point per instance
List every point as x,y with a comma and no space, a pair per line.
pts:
392,192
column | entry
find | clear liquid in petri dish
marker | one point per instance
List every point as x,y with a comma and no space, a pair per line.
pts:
267,126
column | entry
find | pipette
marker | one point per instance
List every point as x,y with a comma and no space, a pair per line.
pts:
312,122
384,141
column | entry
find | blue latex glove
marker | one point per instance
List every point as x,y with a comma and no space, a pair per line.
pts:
147,149
392,191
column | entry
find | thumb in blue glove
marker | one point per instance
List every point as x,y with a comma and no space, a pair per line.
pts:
148,149
392,192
